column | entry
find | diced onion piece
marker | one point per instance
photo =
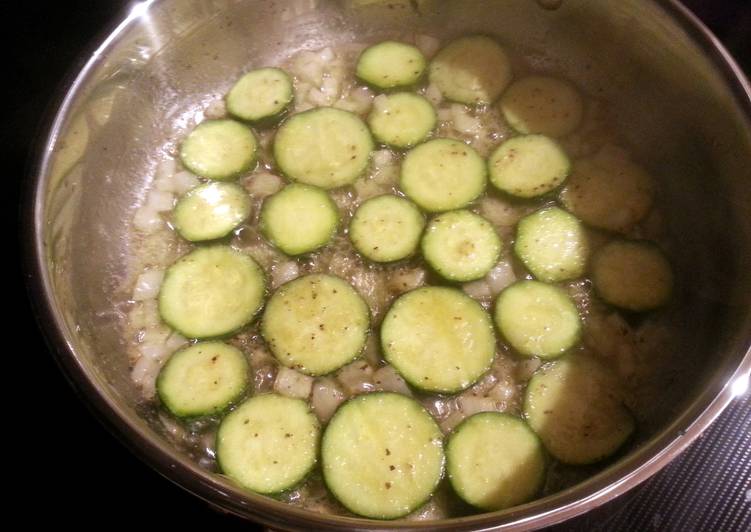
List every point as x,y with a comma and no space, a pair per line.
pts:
165,169
147,220
326,397
386,379
356,377
501,276
382,158
478,290
284,272
175,342
428,45
472,404
147,285
263,184
293,383
463,121
433,94
216,109
183,182
160,201
499,212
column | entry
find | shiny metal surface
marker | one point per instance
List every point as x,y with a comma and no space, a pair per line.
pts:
683,105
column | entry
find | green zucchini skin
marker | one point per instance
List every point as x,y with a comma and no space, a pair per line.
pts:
632,275
211,211
261,95
324,147
442,175
219,149
538,319
211,292
299,219
438,339
472,70
575,406
528,166
386,228
391,64
552,244
495,461
203,379
316,324
461,245
269,443
382,455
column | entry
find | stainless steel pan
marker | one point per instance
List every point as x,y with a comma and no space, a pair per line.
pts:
683,104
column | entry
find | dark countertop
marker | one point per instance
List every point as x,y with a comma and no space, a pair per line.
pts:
87,475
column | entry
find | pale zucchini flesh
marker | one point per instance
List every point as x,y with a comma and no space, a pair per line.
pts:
382,455
438,339
528,166
390,64
609,191
632,275
211,291
461,245
552,244
260,94
316,324
386,228
401,120
219,149
542,104
211,211
268,444
203,379
471,70
442,175
325,147
537,319
495,461
299,219
576,407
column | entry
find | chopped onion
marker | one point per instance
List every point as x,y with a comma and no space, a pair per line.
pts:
382,158
263,184
326,397
144,373
144,314
526,368
284,272
330,88
500,276
165,169
406,279
499,212
326,55
478,290
388,380
175,342
472,404
293,383
428,45
216,109
362,97
503,394
356,377
147,285
157,352
160,201
463,121
147,220
445,114
308,66
433,94
184,181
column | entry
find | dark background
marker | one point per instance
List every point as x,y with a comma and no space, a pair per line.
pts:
74,471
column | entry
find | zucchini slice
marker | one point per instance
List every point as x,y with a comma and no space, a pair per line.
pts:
542,104
575,406
325,147
316,324
260,94
390,64
552,244
537,319
211,211
203,379
401,120
632,275
461,245
386,228
471,70
528,166
382,455
219,149
438,339
269,443
495,461
611,193
211,291
299,219
442,175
